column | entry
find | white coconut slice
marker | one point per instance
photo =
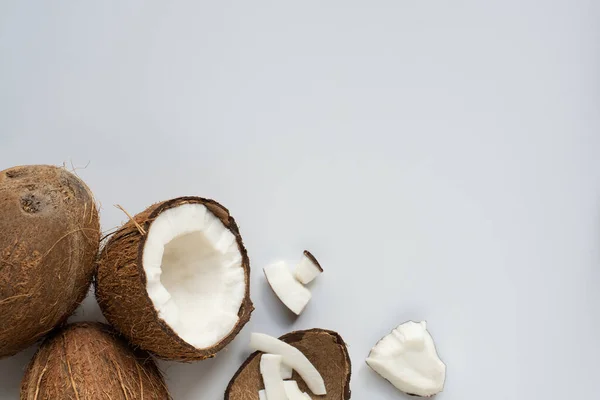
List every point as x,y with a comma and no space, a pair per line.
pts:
292,391
291,292
292,357
407,358
270,369
308,268
286,371
194,274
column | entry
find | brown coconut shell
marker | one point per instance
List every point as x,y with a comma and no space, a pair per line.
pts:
121,286
325,349
88,360
49,240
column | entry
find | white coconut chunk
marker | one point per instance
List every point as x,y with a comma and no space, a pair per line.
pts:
292,391
307,269
194,274
408,359
270,369
286,371
292,357
291,292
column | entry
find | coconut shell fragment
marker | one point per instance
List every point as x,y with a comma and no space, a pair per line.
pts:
130,304
49,240
325,349
88,361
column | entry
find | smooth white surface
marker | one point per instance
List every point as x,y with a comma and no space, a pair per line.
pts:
407,358
291,292
270,371
440,157
194,274
306,270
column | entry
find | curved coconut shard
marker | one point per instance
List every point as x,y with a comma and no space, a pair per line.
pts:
324,349
179,286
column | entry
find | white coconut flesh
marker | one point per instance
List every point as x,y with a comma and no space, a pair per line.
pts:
292,391
291,292
408,359
307,270
270,369
194,273
291,356
286,371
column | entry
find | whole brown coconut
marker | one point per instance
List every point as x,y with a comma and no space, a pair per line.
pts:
129,297
49,239
325,349
87,361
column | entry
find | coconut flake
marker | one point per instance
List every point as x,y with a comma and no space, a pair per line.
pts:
194,274
408,359
289,290
292,357
286,371
308,268
292,391
270,369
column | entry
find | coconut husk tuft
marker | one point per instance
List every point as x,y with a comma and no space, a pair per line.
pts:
325,349
121,286
87,361
49,240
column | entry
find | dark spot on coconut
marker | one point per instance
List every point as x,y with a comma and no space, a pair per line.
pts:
31,204
15,173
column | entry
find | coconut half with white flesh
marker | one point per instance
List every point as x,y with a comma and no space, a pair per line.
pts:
308,268
291,292
408,359
324,350
175,279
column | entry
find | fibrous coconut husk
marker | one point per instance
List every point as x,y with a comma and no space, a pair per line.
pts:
88,361
49,240
121,286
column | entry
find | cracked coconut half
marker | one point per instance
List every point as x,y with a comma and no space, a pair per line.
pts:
175,279
319,359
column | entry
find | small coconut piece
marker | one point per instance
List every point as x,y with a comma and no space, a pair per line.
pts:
292,357
286,371
324,349
291,292
270,369
175,280
90,361
308,268
292,391
407,358
49,240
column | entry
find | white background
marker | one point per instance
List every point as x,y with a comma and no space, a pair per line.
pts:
441,158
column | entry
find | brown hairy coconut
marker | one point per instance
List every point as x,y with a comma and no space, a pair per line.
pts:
49,239
87,361
175,280
325,349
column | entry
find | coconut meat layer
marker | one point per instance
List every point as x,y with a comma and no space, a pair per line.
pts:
408,359
194,273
